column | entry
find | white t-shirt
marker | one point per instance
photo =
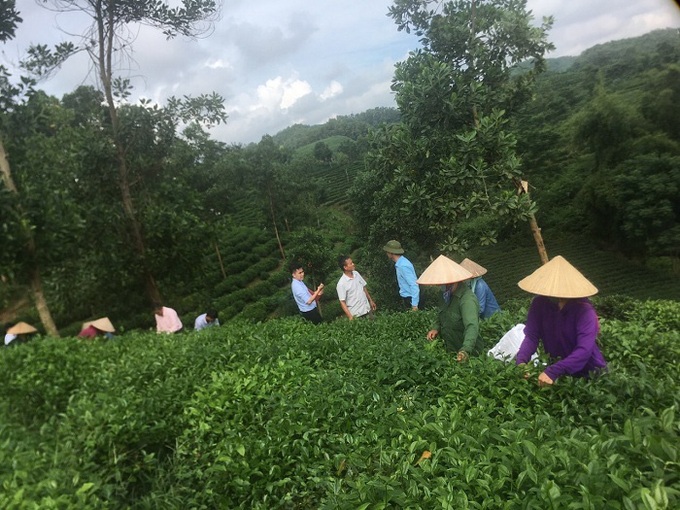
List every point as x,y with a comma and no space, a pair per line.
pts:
351,291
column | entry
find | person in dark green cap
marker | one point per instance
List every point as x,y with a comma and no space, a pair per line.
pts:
458,319
406,275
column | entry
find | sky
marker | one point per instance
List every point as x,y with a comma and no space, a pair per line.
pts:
282,62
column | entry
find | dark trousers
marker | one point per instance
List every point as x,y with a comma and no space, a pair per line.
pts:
313,316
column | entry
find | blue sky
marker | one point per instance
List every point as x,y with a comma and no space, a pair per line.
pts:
281,62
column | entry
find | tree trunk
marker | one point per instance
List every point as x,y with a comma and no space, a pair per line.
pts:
41,303
539,239
523,189
137,237
219,258
35,279
106,43
276,230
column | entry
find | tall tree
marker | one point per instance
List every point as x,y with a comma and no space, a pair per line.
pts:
106,40
23,231
452,158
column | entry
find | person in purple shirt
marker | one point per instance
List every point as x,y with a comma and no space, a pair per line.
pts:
565,321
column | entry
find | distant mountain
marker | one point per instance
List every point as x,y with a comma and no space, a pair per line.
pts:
352,126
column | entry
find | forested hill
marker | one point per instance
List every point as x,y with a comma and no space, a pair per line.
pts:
600,144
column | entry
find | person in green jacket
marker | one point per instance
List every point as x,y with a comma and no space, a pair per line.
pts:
457,321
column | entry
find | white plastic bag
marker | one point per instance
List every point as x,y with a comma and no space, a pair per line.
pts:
507,347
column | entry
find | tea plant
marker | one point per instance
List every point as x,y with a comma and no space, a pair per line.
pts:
343,415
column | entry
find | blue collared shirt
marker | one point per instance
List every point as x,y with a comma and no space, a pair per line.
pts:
406,278
487,301
301,294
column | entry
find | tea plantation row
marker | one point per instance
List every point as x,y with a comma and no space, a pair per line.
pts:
340,416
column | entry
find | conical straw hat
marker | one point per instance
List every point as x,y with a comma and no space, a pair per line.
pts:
473,267
21,328
103,324
442,271
558,278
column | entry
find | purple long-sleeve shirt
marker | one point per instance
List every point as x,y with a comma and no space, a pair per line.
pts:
568,334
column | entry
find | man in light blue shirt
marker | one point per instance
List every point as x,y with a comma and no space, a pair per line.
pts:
305,299
406,275
206,320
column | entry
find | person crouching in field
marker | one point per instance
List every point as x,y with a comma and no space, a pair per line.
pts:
458,317
487,301
19,333
206,320
99,327
167,320
305,299
564,319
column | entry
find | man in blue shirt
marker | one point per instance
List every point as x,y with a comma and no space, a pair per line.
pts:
487,301
406,275
305,299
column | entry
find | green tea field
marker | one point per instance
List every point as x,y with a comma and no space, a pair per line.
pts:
344,415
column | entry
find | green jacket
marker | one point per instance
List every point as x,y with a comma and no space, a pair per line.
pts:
458,322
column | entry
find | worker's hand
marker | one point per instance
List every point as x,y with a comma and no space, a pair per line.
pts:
373,305
544,380
462,356
432,334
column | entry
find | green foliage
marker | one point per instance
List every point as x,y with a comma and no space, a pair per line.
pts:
9,18
635,205
452,157
598,130
286,414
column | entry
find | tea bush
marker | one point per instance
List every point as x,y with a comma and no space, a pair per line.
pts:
344,415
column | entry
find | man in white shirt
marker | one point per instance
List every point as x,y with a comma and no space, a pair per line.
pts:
354,298
205,320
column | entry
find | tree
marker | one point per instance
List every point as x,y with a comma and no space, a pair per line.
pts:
21,229
106,41
634,205
605,126
322,152
9,19
452,158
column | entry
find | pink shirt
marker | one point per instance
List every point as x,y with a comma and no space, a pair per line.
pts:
169,322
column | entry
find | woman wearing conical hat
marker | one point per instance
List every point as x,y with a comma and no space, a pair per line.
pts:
458,317
487,301
99,327
19,333
562,317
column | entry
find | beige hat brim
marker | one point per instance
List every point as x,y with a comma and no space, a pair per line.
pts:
442,271
473,267
559,279
21,328
103,324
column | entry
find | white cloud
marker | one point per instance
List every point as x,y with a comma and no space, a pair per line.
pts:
277,62
217,63
278,93
334,89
